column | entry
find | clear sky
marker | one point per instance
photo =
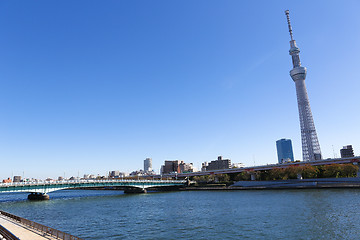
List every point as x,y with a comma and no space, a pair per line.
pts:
93,86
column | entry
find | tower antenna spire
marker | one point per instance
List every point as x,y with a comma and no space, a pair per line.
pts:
289,23
310,143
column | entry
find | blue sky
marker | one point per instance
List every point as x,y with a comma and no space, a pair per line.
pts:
92,86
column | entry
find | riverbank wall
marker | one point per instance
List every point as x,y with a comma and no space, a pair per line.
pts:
285,184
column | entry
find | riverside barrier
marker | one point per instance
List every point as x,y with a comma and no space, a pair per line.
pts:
39,227
6,234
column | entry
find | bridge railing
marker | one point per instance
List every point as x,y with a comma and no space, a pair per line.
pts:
6,234
42,228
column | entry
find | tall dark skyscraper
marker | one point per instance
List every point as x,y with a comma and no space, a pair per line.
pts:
284,150
310,143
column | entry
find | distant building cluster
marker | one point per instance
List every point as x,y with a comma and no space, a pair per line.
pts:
176,166
283,146
148,171
117,174
141,173
169,167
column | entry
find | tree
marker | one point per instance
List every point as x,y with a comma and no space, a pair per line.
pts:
309,171
348,170
265,175
292,172
331,171
223,178
243,176
277,174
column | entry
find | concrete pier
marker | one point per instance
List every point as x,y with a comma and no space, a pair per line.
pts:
38,196
135,190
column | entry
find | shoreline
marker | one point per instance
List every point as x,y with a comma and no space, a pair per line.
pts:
316,183
266,188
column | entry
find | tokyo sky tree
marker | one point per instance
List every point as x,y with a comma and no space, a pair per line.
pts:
310,143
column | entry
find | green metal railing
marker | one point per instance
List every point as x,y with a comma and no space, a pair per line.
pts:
46,187
42,228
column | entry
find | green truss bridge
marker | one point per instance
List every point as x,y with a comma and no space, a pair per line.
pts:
39,190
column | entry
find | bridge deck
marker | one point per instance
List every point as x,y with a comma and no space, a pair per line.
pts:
22,231
46,187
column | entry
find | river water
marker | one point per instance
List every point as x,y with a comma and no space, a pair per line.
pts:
268,214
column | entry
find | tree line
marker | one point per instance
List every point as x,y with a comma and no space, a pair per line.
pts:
290,172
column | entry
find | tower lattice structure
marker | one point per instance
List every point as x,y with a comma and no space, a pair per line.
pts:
310,143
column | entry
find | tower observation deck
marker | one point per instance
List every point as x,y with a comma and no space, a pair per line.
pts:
310,143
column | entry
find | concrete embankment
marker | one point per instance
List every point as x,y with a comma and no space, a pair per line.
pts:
285,184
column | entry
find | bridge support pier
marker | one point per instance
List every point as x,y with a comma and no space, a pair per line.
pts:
135,190
38,196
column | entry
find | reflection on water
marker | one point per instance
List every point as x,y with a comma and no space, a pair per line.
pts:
278,214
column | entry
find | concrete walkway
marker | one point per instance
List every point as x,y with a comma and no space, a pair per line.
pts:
21,231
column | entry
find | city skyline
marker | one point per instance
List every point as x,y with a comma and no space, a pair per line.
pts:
91,88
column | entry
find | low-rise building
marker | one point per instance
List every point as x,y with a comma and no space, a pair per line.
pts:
114,174
186,167
117,174
220,163
347,151
7,180
17,179
238,165
140,173
204,166
171,166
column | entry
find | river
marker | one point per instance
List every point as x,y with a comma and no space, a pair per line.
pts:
258,214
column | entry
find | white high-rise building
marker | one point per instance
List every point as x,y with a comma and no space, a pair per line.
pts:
147,165
310,143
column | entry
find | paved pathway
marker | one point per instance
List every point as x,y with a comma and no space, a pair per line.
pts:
21,231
